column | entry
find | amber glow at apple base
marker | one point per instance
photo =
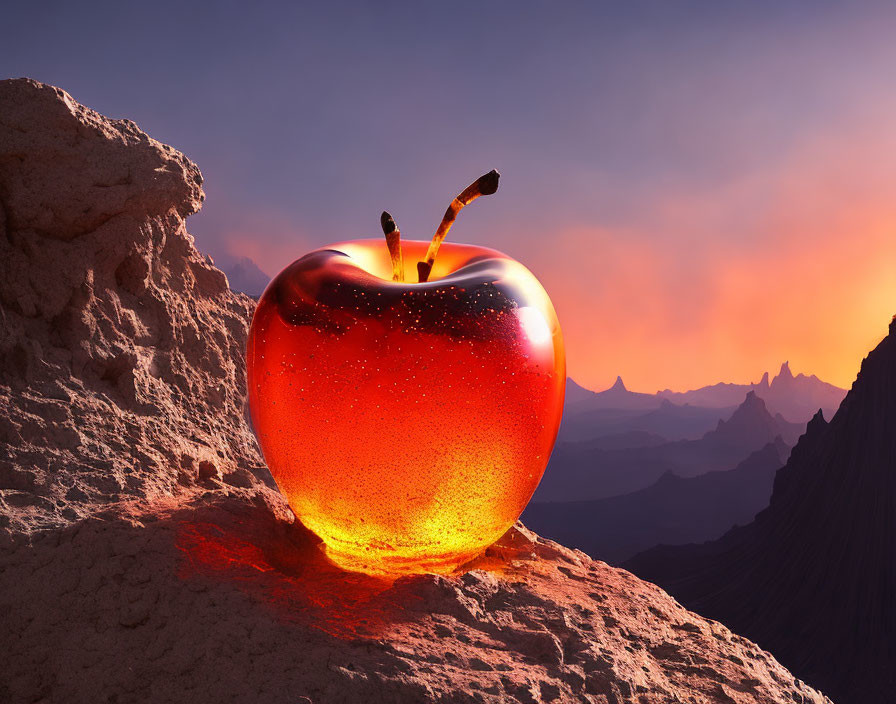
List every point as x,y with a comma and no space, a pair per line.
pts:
407,424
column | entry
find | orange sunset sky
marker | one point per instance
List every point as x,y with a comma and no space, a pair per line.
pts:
705,189
723,199
810,277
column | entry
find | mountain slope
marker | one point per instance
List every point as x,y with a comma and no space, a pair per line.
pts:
673,510
813,578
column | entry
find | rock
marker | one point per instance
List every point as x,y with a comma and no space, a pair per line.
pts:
126,574
121,349
208,470
220,598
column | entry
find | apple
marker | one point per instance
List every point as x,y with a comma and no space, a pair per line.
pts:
406,423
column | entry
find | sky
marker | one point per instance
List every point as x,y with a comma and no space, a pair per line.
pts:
705,189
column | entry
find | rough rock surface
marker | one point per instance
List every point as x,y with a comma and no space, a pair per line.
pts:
124,576
222,599
121,347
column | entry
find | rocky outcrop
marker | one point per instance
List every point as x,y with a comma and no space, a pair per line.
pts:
121,347
813,578
143,559
223,599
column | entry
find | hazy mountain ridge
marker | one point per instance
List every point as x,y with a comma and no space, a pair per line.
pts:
586,470
616,397
796,398
673,510
668,421
243,274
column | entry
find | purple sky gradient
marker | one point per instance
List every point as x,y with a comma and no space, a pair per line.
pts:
652,154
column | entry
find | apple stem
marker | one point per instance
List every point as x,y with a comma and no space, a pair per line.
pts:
483,186
393,242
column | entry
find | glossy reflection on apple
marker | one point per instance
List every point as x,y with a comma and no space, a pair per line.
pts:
407,424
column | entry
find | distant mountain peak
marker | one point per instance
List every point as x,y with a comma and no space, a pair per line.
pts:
750,423
573,384
616,397
753,404
785,372
576,393
763,383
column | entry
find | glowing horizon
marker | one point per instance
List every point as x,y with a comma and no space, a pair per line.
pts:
811,281
811,347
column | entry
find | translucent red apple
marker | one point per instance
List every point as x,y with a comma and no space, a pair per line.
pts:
407,424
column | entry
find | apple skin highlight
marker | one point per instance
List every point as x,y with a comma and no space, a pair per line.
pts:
407,424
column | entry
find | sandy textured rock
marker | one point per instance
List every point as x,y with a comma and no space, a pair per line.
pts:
121,347
224,599
144,560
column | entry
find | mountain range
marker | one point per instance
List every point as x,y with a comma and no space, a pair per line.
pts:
595,469
673,510
796,398
667,420
813,577
617,397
